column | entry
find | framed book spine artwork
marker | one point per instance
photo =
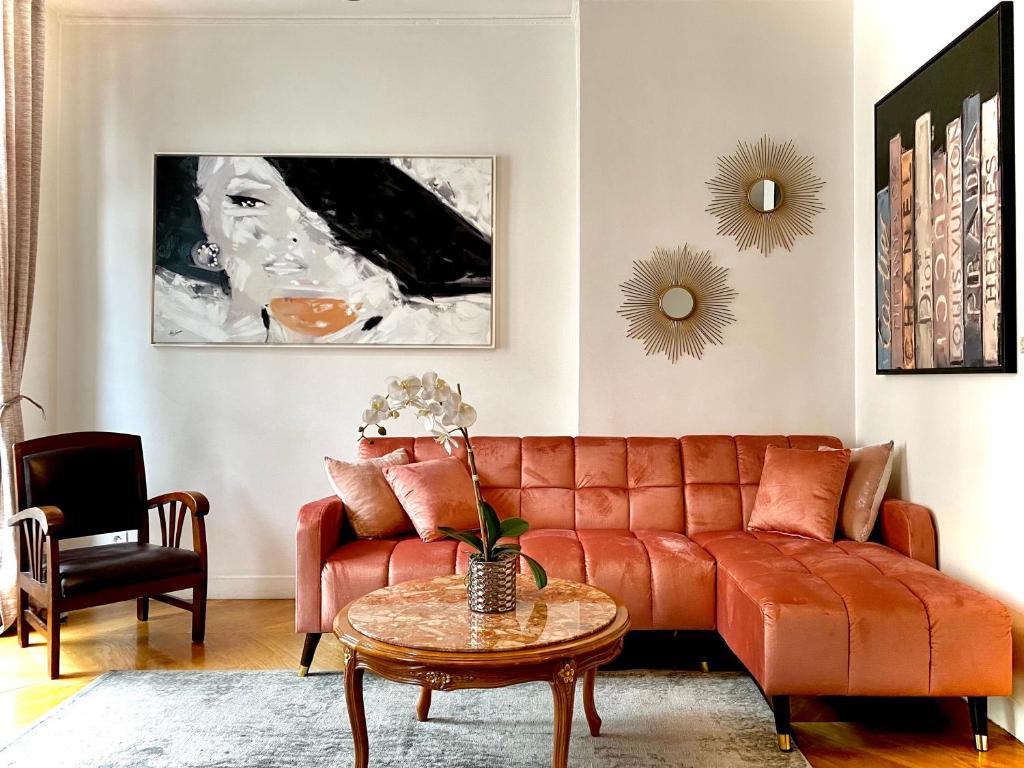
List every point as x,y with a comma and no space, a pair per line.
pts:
945,291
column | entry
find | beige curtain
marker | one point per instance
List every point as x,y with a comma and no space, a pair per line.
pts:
21,139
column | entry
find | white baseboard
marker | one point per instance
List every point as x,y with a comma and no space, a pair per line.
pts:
251,587
1007,712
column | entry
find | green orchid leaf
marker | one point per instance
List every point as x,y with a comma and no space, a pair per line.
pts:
503,548
466,537
492,526
514,526
540,576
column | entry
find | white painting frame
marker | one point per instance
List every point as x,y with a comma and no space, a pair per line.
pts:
473,330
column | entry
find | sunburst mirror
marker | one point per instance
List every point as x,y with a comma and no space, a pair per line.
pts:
677,301
765,195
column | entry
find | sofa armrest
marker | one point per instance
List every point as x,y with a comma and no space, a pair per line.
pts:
319,532
909,529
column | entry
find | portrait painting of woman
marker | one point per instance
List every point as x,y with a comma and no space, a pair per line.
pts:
323,250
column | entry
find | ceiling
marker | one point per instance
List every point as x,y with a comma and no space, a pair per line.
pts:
341,9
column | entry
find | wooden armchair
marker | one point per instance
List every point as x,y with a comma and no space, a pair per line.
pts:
87,484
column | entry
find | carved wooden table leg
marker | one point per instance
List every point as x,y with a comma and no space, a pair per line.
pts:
356,713
423,705
563,691
593,719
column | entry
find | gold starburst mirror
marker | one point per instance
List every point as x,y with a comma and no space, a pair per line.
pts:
765,194
677,301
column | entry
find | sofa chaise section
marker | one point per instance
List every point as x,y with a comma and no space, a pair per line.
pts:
856,619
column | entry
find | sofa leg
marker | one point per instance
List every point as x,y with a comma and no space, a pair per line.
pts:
308,649
142,609
979,721
780,706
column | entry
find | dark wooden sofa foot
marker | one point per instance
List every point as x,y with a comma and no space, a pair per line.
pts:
780,706
308,649
979,721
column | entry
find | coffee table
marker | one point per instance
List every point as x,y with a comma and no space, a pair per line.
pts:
423,633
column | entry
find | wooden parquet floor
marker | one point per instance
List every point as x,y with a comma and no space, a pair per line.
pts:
259,634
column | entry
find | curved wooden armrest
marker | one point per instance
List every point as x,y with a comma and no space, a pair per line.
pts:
194,501
171,508
50,519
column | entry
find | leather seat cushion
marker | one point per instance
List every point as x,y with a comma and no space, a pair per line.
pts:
91,569
874,622
665,580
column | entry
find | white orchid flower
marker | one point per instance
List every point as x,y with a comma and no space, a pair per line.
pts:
429,413
405,389
378,411
435,388
442,437
458,414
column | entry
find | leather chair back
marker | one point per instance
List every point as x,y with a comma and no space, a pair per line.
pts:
97,479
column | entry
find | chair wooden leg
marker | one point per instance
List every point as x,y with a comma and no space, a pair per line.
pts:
53,641
142,609
308,649
23,626
199,612
783,728
979,721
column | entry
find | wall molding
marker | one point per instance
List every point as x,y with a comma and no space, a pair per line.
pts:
315,21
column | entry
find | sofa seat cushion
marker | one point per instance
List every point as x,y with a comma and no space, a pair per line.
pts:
665,580
91,569
875,623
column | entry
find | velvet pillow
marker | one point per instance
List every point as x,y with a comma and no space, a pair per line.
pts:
435,493
799,492
370,504
866,482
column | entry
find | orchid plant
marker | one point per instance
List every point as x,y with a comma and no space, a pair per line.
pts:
445,416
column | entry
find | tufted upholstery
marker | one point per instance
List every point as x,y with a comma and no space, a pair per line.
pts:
663,577
696,484
661,524
613,512
875,622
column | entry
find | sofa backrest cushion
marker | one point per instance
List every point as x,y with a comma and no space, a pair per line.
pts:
691,485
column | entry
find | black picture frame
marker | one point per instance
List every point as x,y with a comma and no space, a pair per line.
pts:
971,66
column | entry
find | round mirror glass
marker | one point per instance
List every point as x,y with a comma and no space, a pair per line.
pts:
765,195
677,303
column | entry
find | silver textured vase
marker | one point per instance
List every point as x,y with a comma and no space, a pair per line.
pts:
492,585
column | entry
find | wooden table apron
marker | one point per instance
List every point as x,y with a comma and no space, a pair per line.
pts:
558,664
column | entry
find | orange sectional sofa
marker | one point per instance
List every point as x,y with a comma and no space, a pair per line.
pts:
661,523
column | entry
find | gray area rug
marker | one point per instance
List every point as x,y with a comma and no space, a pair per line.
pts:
278,720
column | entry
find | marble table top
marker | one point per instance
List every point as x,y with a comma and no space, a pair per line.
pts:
433,614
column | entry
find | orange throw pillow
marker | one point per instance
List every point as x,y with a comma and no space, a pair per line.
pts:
370,504
866,482
799,492
435,493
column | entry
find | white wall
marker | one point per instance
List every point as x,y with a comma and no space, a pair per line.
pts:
960,436
668,87
250,427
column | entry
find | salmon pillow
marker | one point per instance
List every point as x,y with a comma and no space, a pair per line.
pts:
434,494
370,504
800,492
870,468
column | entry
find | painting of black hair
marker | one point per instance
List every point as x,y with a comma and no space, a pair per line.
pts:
335,251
